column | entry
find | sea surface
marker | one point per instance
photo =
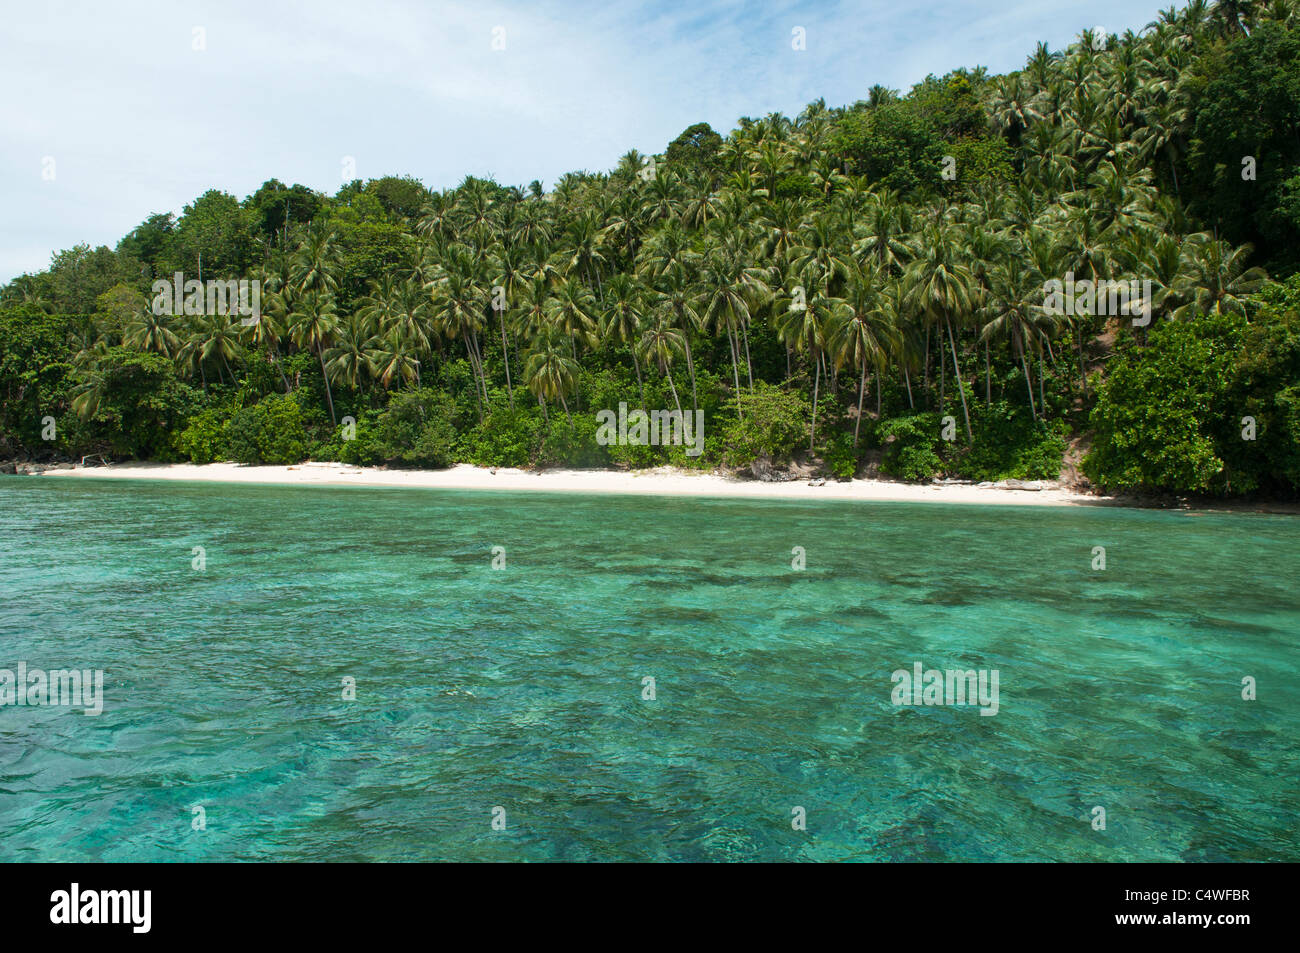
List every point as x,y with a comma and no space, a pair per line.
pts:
507,713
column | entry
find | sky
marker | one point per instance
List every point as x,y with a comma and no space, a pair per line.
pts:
113,112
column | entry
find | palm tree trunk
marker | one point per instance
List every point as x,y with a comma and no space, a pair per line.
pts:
690,367
639,382
505,356
925,372
1083,373
862,384
907,380
817,379
474,367
1029,386
735,372
960,390
988,377
329,397
749,365
275,359
671,387
943,376
1042,401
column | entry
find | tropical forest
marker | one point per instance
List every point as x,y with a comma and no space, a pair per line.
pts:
855,291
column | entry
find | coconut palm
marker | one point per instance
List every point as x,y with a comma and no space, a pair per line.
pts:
660,344
151,332
549,372
803,327
317,261
1216,280
867,334
944,291
312,326
625,306
351,358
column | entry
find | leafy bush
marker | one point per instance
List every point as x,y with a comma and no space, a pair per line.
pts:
204,438
416,429
1010,444
775,423
1154,414
572,444
507,438
841,456
911,446
361,450
271,431
135,401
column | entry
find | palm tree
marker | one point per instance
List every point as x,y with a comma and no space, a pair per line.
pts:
512,267
625,301
943,290
1217,280
317,261
733,287
351,359
214,336
150,332
867,334
661,343
312,326
804,329
1015,309
572,310
676,299
549,372
394,360
459,303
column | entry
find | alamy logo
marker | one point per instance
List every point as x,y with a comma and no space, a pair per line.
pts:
658,428
1101,297
133,907
951,687
213,297
74,688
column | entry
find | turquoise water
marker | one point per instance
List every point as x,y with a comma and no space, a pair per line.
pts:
522,687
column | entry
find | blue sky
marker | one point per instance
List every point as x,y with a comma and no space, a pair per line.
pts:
136,120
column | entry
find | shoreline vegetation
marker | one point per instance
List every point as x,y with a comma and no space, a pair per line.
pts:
1070,272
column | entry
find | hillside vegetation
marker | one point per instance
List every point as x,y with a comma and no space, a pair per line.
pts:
859,287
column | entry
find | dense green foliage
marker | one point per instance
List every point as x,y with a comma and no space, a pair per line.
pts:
860,283
1211,405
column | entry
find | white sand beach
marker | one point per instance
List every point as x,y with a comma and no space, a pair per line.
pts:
663,481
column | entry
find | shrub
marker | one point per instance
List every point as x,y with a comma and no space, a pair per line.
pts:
911,446
416,429
775,423
271,431
1011,444
507,438
572,443
204,438
1155,414
841,456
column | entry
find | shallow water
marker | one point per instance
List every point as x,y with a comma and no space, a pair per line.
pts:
522,687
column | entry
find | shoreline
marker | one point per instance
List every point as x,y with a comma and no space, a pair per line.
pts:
662,481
